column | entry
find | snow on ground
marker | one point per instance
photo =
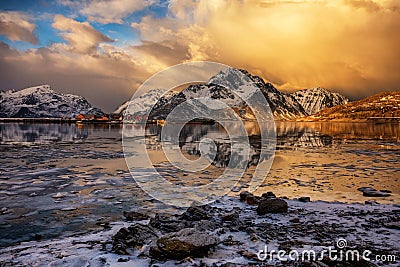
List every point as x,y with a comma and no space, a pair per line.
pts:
357,223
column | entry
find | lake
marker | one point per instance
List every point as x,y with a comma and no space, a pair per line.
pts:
63,179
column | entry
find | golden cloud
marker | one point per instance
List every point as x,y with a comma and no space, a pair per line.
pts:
81,36
17,26
349,45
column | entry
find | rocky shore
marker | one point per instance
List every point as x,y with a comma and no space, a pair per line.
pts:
234,231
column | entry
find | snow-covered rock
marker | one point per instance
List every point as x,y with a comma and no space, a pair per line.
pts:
316,99
43,102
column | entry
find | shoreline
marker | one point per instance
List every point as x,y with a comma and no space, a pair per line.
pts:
242,233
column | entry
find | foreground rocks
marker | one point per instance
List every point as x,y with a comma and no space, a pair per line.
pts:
184,243
228,232
240,229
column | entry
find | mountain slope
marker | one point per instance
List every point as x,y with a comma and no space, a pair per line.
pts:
315,99
386,104
231,87
43,102
142,104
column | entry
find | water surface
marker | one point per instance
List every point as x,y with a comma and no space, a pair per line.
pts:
62,179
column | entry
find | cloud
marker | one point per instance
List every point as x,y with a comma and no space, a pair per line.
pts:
81,36
349,46
16,26
106,78
107,11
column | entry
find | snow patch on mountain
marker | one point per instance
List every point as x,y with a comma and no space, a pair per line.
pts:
43,102
316,99
142,104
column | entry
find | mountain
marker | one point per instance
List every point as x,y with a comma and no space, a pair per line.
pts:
43,102
386,104
315,99
142,104
230,86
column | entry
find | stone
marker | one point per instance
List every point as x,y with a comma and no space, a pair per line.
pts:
371,202
167,223
252,200
304,199
243,195
276,205
196,213
135,215
188,242
372,192
230,216
393,225
375,194
268,195
133,236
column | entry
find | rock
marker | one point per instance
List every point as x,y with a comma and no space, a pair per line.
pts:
230,216
243,195
187,242
135,216
196,213
295,220
268,195
205,225
375,194
372,192
167,223
393,225
304,199
386,191
276,205
252,200
135,235
58,195
37,237
371,202
249,198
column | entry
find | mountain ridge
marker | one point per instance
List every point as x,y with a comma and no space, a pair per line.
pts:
43,102
284,106
382,105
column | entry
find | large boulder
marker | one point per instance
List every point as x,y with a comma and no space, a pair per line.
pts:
272,205
188,242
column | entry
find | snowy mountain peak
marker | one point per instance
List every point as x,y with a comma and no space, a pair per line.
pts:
230,78
315,99
43,102
40,89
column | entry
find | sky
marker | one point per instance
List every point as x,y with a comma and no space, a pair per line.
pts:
103,50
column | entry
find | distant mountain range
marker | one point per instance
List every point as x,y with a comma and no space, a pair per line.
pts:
382,105
316,104
283,106
43,102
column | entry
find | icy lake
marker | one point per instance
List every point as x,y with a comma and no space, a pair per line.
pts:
64,179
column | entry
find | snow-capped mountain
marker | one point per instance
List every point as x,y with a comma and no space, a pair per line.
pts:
43,102
383,106
142,104
316,99
231,86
